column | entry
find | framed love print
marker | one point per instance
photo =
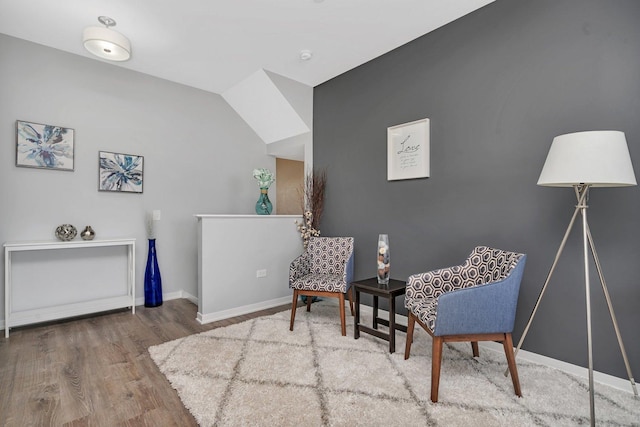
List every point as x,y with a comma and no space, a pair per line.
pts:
408,150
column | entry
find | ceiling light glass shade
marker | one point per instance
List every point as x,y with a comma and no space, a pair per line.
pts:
106,43
597,158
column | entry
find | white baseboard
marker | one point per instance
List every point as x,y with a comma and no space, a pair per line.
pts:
578,371
609,380
188,296
238,311
171,295
600,377
63,311
94,308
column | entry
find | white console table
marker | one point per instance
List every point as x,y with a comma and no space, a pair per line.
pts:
35,315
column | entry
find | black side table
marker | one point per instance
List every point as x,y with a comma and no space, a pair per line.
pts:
390,291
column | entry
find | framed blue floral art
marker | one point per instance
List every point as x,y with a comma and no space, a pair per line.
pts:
44,146
120,172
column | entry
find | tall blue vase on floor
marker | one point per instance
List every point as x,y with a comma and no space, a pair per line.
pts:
152,279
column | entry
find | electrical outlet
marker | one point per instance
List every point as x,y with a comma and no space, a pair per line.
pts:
261,273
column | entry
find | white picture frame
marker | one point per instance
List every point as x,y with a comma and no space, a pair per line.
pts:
408,150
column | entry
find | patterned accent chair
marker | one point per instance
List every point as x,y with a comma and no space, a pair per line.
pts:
475,301
324,270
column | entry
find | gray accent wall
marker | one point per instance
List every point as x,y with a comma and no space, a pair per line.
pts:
198,157
498,85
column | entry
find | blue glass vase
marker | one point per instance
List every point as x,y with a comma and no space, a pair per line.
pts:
152,279
263,205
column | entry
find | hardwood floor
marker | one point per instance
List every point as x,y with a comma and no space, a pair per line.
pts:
96,370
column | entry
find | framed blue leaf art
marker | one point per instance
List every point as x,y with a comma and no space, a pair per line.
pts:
120,172
44,146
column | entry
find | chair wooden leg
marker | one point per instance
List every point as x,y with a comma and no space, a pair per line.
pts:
474,348
436,361
511,360
410,326
293,308
342,316
309,299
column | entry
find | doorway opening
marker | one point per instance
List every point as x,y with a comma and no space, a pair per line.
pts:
290,175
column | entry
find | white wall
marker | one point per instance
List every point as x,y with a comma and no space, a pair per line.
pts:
300,96
233,249
198,155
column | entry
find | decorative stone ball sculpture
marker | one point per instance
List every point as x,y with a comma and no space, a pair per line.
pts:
66,232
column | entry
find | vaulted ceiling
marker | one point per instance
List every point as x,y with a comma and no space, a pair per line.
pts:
214,44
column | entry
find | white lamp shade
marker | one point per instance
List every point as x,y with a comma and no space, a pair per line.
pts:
597,158
106,43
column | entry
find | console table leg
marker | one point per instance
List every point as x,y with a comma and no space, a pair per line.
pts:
7,291
132,275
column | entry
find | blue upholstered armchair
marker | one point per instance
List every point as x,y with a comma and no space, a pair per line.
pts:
475,301
324,270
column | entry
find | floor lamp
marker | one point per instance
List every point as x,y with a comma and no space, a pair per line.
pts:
584,160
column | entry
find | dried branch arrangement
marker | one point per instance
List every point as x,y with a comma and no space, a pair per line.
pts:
312,205
314,191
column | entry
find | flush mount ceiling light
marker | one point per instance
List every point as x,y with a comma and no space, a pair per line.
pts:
106,43
305,55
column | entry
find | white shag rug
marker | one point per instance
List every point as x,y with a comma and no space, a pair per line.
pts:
258,373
